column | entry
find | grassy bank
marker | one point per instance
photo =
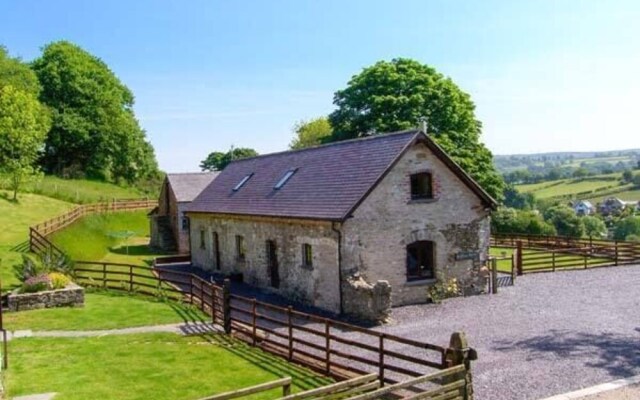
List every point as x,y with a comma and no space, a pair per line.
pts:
15,219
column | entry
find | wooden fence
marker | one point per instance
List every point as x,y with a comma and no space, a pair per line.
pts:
328,346
38,233
551,253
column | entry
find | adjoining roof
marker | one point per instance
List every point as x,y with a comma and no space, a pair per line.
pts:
329,182
187,186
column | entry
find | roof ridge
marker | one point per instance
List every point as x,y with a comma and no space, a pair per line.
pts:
325,145
192,173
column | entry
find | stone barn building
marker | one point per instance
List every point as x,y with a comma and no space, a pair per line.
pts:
169,226
351,227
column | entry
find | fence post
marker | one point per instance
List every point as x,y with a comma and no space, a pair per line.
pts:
213,303
254,327
104,275
290,326
327,334
519,257
553,260
226,305
381,361
459,353
585,261
513,269
616,244
191,290
494,275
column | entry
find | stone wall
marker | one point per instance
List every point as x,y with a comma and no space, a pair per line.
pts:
375,239
366,302
317,285
71,296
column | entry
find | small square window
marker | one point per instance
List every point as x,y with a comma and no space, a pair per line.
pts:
307,255
421,186
241,248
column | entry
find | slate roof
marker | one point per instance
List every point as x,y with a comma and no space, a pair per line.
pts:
187,186
329,181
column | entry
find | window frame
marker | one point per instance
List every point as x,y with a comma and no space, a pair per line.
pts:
284,179
241,248
413,184
307,255
242,182
428,252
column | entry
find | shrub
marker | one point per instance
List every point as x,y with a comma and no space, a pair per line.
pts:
34,265
443,289
36,283
58,280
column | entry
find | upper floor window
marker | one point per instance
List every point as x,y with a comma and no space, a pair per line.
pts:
420,260
307,255
421,186
284,179
185,223
241,248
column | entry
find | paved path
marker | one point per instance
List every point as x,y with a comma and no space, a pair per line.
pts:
181,329
551,333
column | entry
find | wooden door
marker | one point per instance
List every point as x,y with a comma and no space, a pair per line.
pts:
272,263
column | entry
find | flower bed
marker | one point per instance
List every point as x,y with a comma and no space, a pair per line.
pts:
70,296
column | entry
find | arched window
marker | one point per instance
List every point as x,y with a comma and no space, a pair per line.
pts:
420,260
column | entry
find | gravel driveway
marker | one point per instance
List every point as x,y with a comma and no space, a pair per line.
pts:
549,334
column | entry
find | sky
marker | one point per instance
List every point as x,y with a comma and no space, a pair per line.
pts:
557,75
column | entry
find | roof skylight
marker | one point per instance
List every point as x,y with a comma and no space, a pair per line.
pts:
284,179
242,182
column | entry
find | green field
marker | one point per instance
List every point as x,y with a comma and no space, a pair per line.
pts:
159,366
91,238
81,191
15,219
539,259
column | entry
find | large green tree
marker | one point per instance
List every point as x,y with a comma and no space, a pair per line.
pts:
627,227
217,160
311,133
565,220
23,127
94,132
397,94
14,72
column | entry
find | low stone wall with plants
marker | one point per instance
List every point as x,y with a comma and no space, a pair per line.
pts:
70,296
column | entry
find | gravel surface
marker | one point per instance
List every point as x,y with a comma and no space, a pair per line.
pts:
549,334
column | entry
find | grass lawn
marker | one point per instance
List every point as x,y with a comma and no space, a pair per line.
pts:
104,310
90,238
545,190
144,366
15,219
83,191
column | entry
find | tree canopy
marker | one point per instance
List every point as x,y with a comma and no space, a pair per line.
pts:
23,127
311,133
217,160
94,131
396,95
565,220
14,72
511,220
629,226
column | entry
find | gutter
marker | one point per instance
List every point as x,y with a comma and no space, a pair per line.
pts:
339,232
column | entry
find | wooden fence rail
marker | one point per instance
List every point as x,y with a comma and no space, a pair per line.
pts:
552,253
328,346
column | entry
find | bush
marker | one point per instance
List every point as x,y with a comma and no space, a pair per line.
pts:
58,280
509,220
36,283
35,265
633,238
626,227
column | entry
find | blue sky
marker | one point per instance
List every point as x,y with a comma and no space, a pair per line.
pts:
545,75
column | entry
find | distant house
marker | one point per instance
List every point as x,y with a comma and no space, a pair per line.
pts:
584,207
350,227
612,206
169,226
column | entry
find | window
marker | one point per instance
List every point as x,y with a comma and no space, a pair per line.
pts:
420,260
242,182
215,246
241,248
307,255
421,186
202,244
284,179
185,223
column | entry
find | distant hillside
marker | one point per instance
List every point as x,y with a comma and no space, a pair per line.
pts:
531,168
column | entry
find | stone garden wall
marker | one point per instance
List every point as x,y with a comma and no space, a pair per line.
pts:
71,296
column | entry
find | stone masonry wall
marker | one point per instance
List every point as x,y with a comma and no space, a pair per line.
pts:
375,239
317,285
71,296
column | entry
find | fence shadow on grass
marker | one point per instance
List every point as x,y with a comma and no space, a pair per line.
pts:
22,247
302,378
618,354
